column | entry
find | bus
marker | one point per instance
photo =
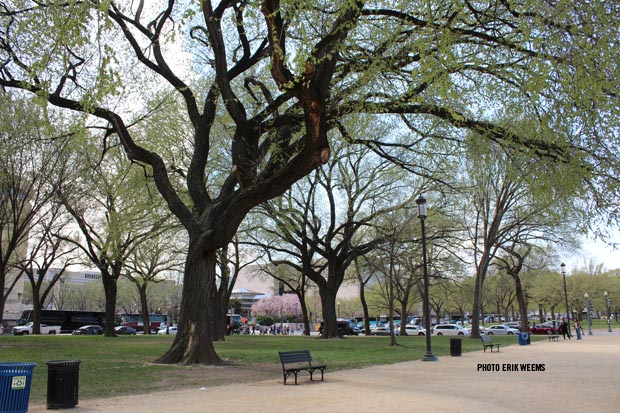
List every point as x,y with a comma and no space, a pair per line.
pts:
233,323
136,321
68,320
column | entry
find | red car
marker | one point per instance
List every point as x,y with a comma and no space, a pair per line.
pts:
544,328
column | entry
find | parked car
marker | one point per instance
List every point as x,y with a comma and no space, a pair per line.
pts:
170,330
91,330
27,329
383,331
514,324
125,330
345,327
415,330
543,328
373,325
499,329
450,330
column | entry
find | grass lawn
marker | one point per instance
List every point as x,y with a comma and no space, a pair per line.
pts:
123,365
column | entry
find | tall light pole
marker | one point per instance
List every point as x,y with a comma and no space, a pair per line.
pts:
589,308
608,313
428,356
563,267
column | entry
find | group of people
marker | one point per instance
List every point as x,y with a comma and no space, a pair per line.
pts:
566,333
277,330
284,330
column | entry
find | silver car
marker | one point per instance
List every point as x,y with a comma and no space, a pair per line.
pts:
450,330
499,329
413,330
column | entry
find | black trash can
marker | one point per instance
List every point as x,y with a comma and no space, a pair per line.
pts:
455,347
15,381
62,383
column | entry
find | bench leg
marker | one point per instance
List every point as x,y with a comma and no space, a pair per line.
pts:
312,374
288,373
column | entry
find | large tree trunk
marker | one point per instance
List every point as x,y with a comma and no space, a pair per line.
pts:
541,316
304,312
36,309
220,309
328,305
110,289
476,313
193,343
522,305
222,298
403,317
364,305
145,308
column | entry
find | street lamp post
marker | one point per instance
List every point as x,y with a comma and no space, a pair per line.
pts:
588,308
608,313
428,356
563,267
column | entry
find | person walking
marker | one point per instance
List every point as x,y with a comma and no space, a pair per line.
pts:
578,328
564,329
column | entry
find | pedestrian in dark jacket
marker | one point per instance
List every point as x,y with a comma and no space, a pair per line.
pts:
564,329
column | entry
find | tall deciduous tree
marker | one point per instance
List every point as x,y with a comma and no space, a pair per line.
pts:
232,259
443,66
47,258
324,226
114,214
32,165
515,210
149,262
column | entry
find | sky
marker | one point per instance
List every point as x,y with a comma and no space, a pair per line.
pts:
598,252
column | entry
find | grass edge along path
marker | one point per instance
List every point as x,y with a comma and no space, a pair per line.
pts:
123,365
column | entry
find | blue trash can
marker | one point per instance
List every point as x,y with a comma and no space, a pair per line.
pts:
15,381
524,339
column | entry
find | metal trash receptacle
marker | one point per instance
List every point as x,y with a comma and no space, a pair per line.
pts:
15,381
455,347
63,379
524,339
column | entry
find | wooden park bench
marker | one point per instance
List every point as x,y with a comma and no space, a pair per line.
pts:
552,337
486,343
299,360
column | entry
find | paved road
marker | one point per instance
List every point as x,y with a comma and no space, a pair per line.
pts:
564,376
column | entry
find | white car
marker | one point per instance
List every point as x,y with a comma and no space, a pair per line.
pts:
27,329
383,331
413,330
499,329
450,330
171,330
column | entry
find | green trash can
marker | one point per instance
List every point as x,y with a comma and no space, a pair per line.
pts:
63,377
15,381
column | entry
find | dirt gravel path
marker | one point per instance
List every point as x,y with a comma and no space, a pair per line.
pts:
564,376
